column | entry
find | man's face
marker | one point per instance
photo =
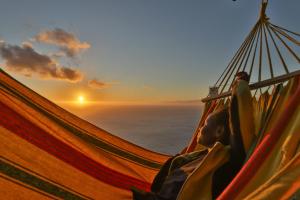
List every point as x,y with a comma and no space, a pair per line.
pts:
208,134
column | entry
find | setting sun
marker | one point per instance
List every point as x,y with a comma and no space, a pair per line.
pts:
81,99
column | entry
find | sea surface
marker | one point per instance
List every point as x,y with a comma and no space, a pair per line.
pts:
162,128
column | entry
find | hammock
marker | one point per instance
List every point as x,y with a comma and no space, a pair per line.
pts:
49,153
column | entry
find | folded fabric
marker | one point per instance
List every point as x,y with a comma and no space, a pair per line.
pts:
245,112
199,183
265,161
282,185
171,177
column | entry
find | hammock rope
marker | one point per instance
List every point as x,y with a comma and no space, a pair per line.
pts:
234,64
248,50
266,38
278,51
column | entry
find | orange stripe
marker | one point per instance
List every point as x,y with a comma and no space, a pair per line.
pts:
20,126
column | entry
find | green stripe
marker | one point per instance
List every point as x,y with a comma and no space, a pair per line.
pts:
87,138
27,187
33,181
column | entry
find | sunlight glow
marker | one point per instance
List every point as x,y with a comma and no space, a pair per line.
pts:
81,99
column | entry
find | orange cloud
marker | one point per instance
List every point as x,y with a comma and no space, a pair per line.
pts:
96,84
67,41
25,60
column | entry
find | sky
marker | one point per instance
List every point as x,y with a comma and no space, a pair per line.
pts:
127,50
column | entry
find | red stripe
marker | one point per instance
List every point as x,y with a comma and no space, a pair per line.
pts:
40,138
262,151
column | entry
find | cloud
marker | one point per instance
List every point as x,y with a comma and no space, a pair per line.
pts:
27,44
148,88
67,41
25,60
96,84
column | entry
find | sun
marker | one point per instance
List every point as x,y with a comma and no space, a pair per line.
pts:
81,99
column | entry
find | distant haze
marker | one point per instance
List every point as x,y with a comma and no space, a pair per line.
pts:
162,128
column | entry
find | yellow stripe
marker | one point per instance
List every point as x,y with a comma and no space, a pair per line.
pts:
20,151
274,162
282,185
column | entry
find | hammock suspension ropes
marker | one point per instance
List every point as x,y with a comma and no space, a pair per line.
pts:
263,44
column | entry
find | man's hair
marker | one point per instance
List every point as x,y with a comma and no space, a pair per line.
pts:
222,118
243,76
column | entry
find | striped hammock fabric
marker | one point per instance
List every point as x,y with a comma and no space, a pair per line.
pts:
275,162
49,153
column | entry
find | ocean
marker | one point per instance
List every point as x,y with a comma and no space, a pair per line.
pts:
162,128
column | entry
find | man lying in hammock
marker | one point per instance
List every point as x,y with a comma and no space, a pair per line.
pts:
218,127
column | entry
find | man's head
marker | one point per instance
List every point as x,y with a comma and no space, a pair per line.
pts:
215,129
242,76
